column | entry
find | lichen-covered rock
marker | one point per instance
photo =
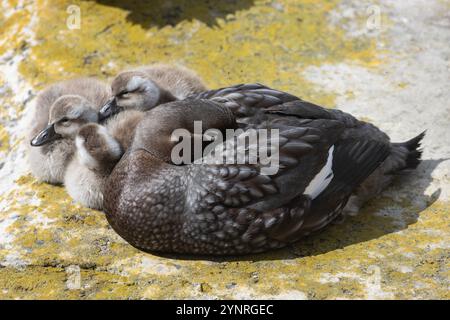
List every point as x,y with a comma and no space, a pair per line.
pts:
386,62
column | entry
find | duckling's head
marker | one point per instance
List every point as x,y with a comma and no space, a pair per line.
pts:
67,115
96,148
131,90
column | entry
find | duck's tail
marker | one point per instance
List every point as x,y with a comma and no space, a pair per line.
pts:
403,157
407,154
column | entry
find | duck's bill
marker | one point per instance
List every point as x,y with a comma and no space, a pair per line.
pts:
45,136
108,109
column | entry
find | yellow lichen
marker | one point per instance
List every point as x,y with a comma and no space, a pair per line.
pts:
258,43
4,139
337,263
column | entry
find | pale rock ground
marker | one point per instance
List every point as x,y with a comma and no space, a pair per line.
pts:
398,247
419,62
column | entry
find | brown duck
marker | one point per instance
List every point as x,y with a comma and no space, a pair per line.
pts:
325,158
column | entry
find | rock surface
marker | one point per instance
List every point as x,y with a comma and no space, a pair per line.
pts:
387,62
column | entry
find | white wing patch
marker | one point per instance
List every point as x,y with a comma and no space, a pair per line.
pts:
322,179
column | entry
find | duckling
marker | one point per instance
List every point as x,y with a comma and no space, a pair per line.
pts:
221,208
122,126
51,134
146,87
98,149
96,154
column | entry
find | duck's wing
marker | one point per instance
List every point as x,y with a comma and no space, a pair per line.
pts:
355,129
360,149
239,91
246,100
307,110
251,103
239,201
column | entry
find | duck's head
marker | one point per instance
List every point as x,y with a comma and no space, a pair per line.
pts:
97,149
131,90
67,115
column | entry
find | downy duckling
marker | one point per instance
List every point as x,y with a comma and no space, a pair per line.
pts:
98,149
220,208
96,154
122,126
146,87
51,133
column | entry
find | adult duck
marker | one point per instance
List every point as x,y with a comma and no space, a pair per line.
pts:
325,157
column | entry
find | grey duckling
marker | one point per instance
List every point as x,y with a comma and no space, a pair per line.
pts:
96,154
98,149
220,209
52,133
146,87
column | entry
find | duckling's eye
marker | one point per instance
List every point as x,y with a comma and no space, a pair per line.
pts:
64,121
123,94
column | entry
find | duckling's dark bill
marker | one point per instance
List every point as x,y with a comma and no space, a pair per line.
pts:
45,136
108,109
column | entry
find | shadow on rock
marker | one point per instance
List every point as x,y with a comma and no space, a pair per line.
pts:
161,13
397,208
